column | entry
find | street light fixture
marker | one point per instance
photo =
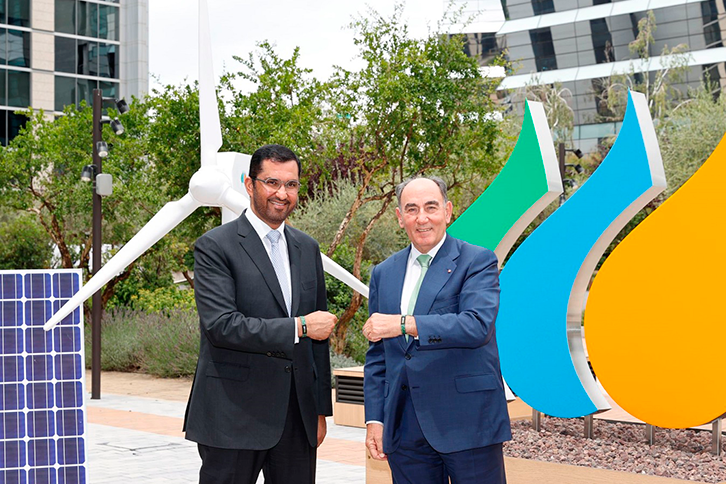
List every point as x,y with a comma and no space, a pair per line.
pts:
89,173
102,187
563,167
117,127
102,149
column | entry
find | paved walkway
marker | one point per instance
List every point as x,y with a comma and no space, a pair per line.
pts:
134,435
139,439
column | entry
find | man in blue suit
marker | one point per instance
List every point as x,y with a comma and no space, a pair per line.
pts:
434,399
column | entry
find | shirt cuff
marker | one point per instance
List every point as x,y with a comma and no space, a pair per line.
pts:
297,338
373,421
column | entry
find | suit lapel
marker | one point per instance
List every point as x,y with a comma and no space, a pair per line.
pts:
393,292
293,249
251,243
438,274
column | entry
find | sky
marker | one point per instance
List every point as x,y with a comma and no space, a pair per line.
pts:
318,27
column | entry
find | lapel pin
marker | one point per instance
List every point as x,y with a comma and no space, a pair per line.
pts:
449,271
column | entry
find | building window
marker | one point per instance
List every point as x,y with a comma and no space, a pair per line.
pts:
71,90
541,7
15,88
10,124
602,41
14,47
544,49
711,28
86,57
87,19
15,12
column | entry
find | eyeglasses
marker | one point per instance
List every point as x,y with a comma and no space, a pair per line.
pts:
274,184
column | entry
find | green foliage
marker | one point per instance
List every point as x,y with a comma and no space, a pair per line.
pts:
163,299
120,344
321,218
25,245
690,134
286,106
354,344
170,343
164,344
40,174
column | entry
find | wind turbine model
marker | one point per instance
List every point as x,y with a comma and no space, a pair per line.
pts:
211,186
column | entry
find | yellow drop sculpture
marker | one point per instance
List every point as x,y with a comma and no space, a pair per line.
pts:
655,322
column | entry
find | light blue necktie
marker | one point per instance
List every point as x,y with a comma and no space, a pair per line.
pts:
423,260
279,265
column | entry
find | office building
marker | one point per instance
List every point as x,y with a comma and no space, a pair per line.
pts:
578,43
55,52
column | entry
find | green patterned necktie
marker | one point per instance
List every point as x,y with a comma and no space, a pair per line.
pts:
423,260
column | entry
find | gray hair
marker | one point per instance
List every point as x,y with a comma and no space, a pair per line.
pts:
439,182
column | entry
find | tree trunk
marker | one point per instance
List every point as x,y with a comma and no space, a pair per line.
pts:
357,203
341,329
189,278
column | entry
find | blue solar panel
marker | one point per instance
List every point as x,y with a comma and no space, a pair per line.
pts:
42,411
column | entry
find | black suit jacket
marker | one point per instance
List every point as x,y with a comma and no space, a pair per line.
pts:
247,355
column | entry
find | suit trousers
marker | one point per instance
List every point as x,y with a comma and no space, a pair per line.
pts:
291,461
416,462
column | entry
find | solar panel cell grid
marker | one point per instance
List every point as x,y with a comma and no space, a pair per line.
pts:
42,413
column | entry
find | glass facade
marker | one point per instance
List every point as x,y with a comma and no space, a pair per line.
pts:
86,44
14,66
77,44
578,43
15,12
74,90
88,19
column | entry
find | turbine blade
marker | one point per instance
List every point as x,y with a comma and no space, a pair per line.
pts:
209,125
160,224
236,202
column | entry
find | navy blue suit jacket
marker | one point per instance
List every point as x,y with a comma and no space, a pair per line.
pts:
452,370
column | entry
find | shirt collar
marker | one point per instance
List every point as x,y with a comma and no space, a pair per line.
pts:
434,250
261,227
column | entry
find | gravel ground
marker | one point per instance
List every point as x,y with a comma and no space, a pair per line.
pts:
680,454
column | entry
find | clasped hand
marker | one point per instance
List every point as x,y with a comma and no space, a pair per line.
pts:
381,326
320,324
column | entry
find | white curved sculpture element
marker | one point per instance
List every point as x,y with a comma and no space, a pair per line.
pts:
212,186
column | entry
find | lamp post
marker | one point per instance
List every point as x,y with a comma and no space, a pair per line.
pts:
101,187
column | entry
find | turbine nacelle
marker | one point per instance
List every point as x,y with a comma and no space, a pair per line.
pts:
208,186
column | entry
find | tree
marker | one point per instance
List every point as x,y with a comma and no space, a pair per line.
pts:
25,243
658,86
40,174
286,107
556,100
690,134
417,106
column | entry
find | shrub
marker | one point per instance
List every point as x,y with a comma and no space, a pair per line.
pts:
170,343
164,299
164,344
120,345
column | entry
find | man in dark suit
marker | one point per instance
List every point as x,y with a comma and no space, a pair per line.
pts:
434,398
262,386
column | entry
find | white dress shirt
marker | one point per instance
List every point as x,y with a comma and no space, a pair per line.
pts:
262,230
413,272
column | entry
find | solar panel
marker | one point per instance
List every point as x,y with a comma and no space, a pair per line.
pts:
42,411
